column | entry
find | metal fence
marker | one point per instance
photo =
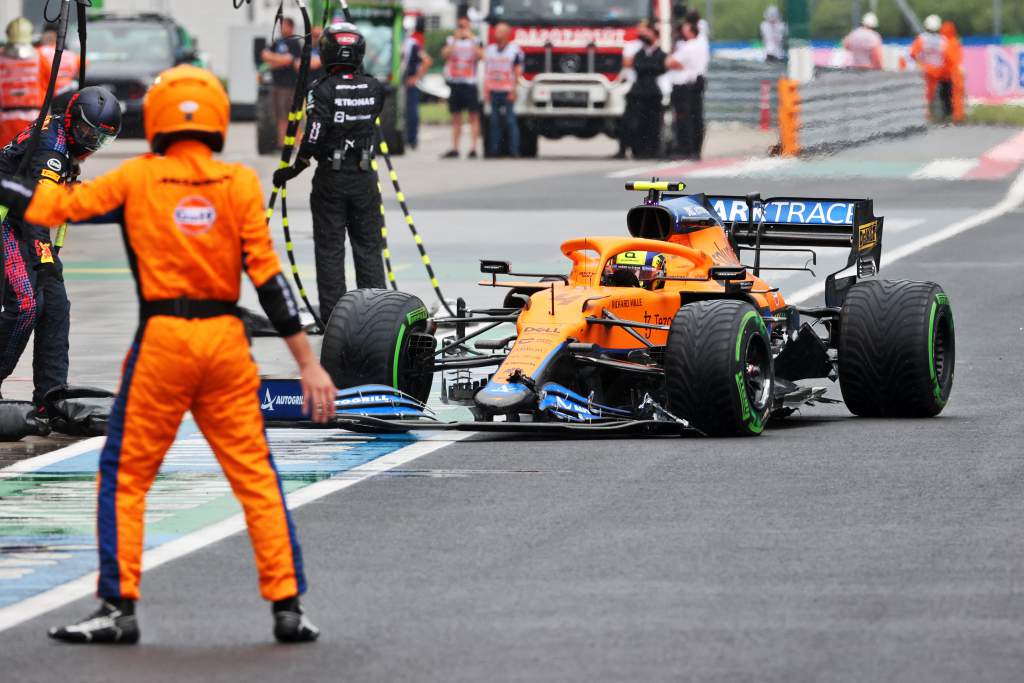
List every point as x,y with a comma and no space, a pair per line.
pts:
846,107
734,90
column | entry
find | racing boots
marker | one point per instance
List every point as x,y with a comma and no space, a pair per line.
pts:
291,624
114,623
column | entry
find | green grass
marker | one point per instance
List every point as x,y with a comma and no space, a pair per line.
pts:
435,113
997,115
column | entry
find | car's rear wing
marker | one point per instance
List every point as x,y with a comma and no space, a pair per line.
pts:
851,224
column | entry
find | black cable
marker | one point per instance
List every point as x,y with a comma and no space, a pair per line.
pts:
37,127
82,21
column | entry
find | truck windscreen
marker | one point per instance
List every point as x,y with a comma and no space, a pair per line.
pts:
570,11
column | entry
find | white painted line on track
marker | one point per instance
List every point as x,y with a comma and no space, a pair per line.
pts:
1014,199
945,169
30,465
15,614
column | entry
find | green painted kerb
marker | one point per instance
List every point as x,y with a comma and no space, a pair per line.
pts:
398,352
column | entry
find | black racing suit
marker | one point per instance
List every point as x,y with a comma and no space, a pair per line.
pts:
34,297
341,131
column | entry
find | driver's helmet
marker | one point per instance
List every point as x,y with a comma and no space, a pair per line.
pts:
635,269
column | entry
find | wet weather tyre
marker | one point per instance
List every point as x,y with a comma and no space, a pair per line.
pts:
379,336
897,349
718,368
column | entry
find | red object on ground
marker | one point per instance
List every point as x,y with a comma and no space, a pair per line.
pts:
766,105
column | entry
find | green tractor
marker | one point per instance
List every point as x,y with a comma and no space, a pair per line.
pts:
381,23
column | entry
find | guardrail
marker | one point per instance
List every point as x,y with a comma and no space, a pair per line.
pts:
840,108
735,90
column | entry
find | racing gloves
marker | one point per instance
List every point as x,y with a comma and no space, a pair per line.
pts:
16,194
283,175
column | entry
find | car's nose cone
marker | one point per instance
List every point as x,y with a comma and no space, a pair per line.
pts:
503,398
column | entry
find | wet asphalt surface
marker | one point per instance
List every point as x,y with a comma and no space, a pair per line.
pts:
831,548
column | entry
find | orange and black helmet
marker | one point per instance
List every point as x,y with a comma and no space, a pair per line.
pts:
186,102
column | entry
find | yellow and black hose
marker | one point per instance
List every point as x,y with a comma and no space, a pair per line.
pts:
393,174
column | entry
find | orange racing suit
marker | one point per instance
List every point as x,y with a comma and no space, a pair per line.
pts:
931,52
191,225
67,73
20,93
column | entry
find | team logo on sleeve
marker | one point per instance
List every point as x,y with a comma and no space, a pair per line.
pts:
195,215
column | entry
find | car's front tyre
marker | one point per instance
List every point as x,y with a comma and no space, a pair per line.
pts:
718,368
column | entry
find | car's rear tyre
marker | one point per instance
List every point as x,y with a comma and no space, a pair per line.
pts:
379,336
718,368
897,349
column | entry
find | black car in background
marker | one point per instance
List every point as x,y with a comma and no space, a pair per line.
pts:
127,51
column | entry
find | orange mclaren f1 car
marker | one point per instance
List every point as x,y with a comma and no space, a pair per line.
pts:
670,329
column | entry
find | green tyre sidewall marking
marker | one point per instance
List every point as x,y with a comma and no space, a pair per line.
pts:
752,419
398,354
941,299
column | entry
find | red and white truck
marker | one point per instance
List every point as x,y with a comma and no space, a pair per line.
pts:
572,82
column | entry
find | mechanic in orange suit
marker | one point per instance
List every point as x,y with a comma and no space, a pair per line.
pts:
67,73
931,52
191,225
20,93
955,57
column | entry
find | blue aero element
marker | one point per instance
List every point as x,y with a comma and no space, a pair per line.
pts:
281,399
786,212
565,404
686,209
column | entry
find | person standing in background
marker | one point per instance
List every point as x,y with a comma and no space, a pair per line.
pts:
931,52
503,67
316,63
417,63
864,44
955,62
689,65
774,33
644,98
20,93
462,54
281,58
67,74
628,75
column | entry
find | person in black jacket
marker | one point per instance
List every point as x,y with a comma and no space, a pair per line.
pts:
644,101
341,131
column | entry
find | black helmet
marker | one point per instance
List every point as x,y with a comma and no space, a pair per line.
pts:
342,45
92,120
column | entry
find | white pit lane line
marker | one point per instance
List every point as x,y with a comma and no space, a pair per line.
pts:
40,604
1013,200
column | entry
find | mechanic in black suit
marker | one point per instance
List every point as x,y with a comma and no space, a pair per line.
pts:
341,132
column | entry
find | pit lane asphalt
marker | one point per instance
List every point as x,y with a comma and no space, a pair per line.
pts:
832,548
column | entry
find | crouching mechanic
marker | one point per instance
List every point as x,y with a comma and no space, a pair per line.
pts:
340,134
34,297
191,225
